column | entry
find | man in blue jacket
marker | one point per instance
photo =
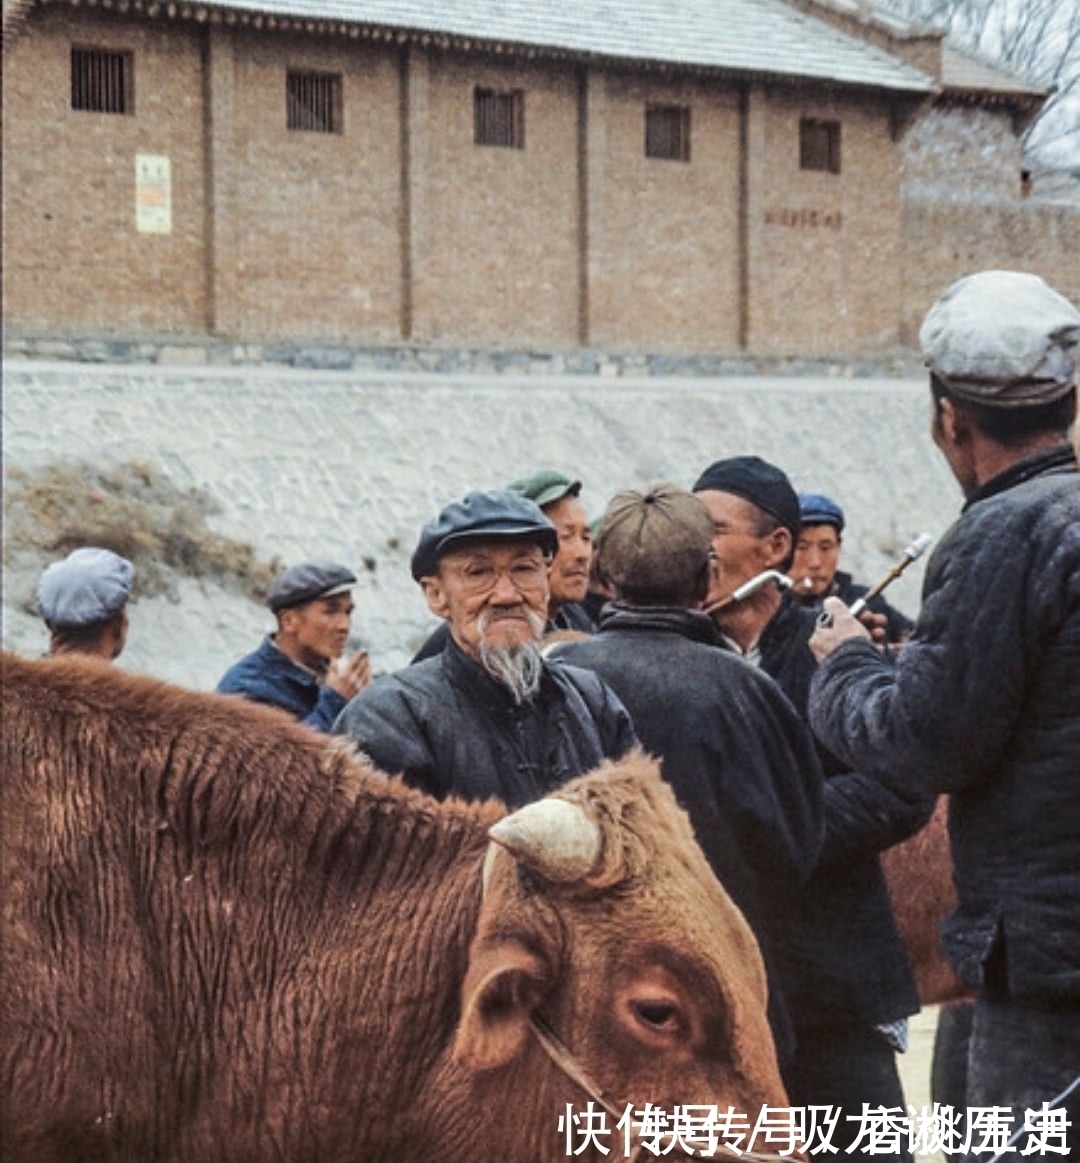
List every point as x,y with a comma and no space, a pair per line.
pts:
300,667
984,701
815,570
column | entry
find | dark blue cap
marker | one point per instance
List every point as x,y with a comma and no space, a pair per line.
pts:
307,582
479,516
818,509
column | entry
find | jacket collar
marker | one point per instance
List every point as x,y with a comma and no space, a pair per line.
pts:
668,619
784,624
276,659
1060,459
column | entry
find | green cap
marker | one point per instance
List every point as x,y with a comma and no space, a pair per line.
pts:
546,487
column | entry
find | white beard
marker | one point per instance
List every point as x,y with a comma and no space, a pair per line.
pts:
517,667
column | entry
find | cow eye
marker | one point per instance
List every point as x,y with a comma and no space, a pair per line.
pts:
657,1015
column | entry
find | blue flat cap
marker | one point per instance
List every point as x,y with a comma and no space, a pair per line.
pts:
479,516
307,582
818,509
89,585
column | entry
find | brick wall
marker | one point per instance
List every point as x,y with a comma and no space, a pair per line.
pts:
960,151
401,228
825,254
312,229
496,245
663,234
72,256
946,240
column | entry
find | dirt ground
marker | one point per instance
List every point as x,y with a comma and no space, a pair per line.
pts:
915,1063
915,1066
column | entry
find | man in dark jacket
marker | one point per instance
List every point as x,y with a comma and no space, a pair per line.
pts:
741,761
815,570
300,667
984,701
853,988
488,716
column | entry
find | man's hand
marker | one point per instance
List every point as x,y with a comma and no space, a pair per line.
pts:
835,625
349,676
877,624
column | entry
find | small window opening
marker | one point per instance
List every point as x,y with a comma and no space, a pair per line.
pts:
102,81
313,102
819,145
667,132
499,118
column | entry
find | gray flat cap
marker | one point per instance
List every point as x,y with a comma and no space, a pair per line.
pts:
1003,339
89,585
307,582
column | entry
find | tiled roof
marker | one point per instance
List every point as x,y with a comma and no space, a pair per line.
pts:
961,71
881,17
760,37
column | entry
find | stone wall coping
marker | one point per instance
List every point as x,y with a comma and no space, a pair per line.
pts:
195,353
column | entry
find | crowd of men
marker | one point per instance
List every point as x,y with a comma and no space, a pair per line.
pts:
711,626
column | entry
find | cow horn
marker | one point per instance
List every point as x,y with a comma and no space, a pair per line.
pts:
552,836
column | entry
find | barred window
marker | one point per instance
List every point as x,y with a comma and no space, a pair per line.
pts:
499,118
819,145
102,81
313,102
667,132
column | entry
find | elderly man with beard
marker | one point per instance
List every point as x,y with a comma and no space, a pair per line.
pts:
568,570
488,716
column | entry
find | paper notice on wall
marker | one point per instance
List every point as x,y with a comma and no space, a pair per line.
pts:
153,194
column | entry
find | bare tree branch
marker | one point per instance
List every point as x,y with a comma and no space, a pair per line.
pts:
1039,40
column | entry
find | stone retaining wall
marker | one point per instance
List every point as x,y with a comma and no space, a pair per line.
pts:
348,465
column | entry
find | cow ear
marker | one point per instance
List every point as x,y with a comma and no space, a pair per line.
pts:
504,985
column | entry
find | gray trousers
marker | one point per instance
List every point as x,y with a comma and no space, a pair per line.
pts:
1018,1056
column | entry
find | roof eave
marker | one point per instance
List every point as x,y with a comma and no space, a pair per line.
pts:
209,13
1023,107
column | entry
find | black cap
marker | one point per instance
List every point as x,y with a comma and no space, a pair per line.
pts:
307,582
756,481
479,516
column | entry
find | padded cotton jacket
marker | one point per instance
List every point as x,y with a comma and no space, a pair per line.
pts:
451,729
984,702
267,675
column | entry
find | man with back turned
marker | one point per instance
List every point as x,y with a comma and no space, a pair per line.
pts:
984,701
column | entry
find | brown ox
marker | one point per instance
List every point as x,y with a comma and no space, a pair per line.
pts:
919,875
226,939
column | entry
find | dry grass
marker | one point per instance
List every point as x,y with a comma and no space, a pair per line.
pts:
134,511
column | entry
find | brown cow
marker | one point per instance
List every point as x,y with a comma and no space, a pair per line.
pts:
919,875
227,939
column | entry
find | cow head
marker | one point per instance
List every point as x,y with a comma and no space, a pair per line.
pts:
602,920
